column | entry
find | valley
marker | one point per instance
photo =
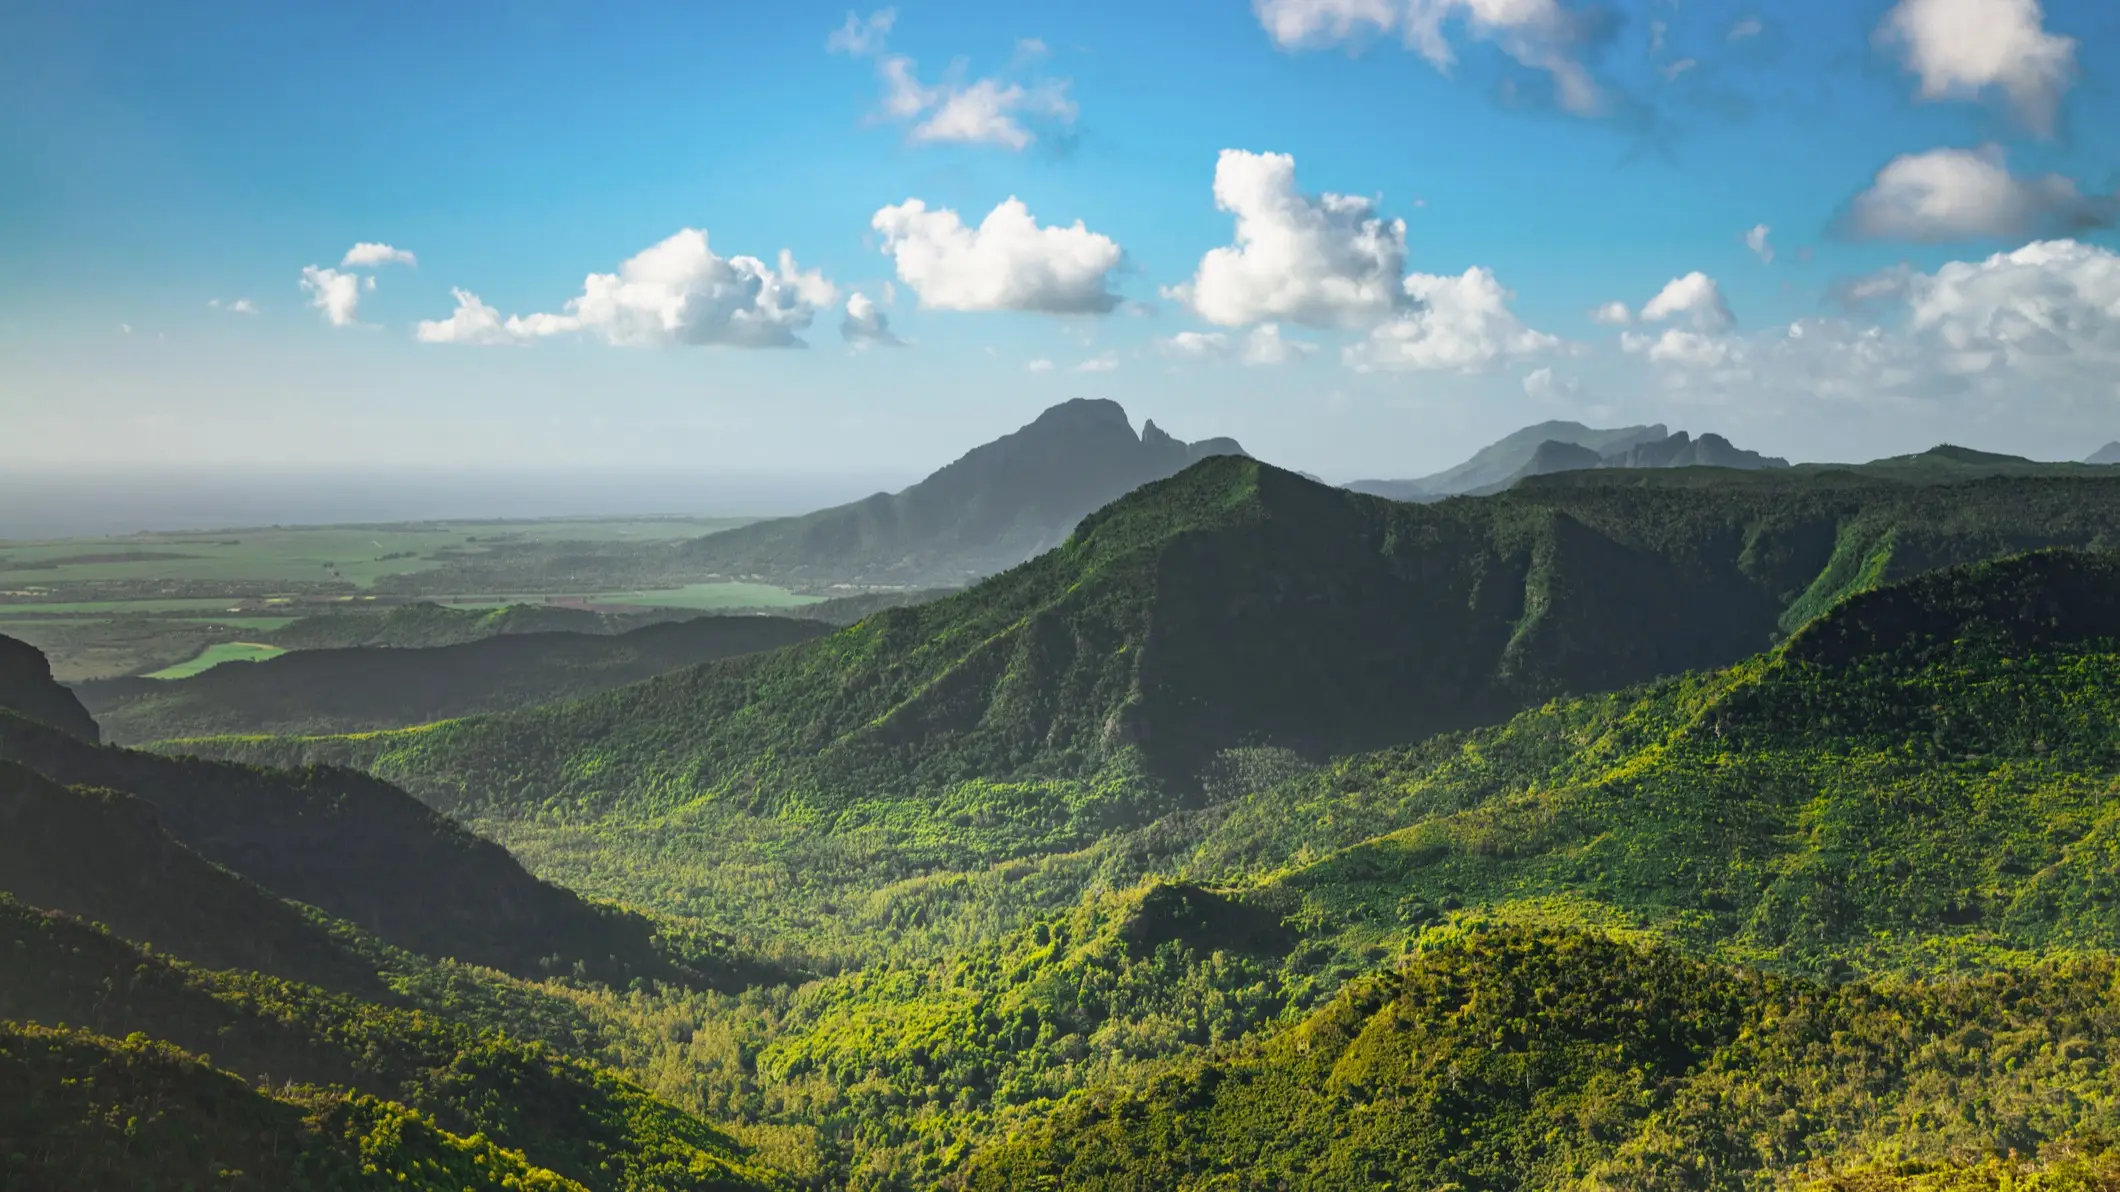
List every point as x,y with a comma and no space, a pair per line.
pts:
1628,827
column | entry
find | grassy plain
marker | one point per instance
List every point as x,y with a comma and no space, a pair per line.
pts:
214,655
145,603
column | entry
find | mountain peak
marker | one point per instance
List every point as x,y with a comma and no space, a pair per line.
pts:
2108,454
1078,412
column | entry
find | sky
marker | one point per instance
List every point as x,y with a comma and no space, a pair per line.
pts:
795,240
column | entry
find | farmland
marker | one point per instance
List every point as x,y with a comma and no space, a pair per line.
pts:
144,603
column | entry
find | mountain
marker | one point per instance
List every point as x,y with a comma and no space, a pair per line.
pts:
1820,851
27,689
1499,462
2108,454
998,505
364,851
1683,451
1236,607
364,688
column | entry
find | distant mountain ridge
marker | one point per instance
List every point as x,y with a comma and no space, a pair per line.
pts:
1500,462
361,688
2108,454
998,505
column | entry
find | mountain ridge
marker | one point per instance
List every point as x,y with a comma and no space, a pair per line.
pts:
994,507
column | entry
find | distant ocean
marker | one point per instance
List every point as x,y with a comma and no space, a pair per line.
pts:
82,504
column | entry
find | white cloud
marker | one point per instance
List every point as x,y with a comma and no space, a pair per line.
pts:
473,322
988,111
1692,349
1540,34
1673,70
1960,48
1262,347
1695,296
1105,361
1455,324
1197,344
1613,314
1955,194
866,324
2046,302
337,294
1541,383
678,292
241,306
1321,261
1265,347
1747,27
366,255
1041,364
862,36
1758,240
1008,262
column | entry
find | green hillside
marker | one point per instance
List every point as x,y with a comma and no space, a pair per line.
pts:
1234,606
567,1115
1917,790
83,1113
365,688
368,853
421,625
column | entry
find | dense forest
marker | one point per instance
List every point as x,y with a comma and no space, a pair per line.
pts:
1702,830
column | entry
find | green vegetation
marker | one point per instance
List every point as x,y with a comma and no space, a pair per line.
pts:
364,688
215,655
1693,832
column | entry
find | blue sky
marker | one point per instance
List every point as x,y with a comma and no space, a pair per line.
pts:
155,160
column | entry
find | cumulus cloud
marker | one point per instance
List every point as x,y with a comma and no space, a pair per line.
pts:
1695,297
336,294
366,255
1454,324
1541,383
677,292
1961,48
1262,347
1543,35
1760,242
2048,301
1613,314
1008,262
1957,194
473,322
866,324
241,306
988,111
1106,361
1690,349
1041,364
1319,261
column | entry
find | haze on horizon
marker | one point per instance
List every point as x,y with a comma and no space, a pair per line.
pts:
752,259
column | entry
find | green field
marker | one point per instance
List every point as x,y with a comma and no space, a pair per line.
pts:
214,656
724,594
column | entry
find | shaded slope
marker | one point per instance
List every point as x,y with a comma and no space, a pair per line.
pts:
364,851
567,1115
366,688
82,1113
27,689
103,856
998,505
2106,455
